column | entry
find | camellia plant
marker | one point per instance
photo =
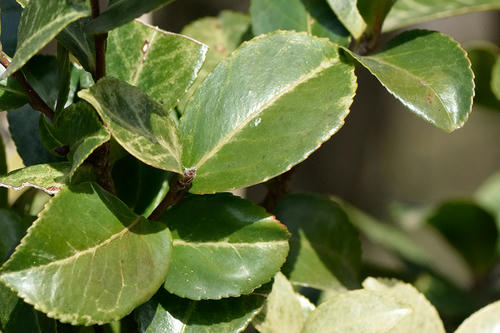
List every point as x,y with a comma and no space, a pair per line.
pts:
130,135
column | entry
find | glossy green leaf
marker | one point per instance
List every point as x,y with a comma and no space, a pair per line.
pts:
469,229
40,22
139,124
41,73
409,12
325,251
17,316
63,76
423,318
49,178
10,14
357,311
100,263
136,51
483,57
312,16
140,186
275,116
223,246
23,3
80,43
348,13
120,12
222,35
495,80
11,234
429,73
23,126
168,313
79,128
486,320
374,13
283,310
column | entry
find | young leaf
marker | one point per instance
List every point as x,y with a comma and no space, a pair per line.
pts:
23,126
423,318
40,22
409,12
348,14
88,259
312,16
79,43
275,115
10,14
483,58
429,73
485,320
283,310
357,311
325,251
120,12
169,313
138,123
469,229
161,64
79,128
223,246
222,35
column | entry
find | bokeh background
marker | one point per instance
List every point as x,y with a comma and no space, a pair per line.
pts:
384,153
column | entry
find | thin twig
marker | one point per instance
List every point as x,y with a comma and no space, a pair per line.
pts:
34,99
276,189
100,45
178,187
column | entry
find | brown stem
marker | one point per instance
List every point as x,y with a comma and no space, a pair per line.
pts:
178,187
100,45
276,189
34,99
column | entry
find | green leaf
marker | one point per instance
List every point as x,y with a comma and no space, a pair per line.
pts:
136,51
79,128
10,14
357,311
88,259
40,22
4,200
12,95
348,14
374,13
222,35
140,186
423,318
23,126
17,316
223,246
79,43
471,230
12,232
283,310
120,12
63,76
23,3
312,16
429,73
138,123
267,114
409,12
495,80
49,178
325,251
169,313
483,57
485,320
488,196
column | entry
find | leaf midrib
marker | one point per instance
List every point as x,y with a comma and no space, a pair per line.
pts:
324,65
80,253
227,244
